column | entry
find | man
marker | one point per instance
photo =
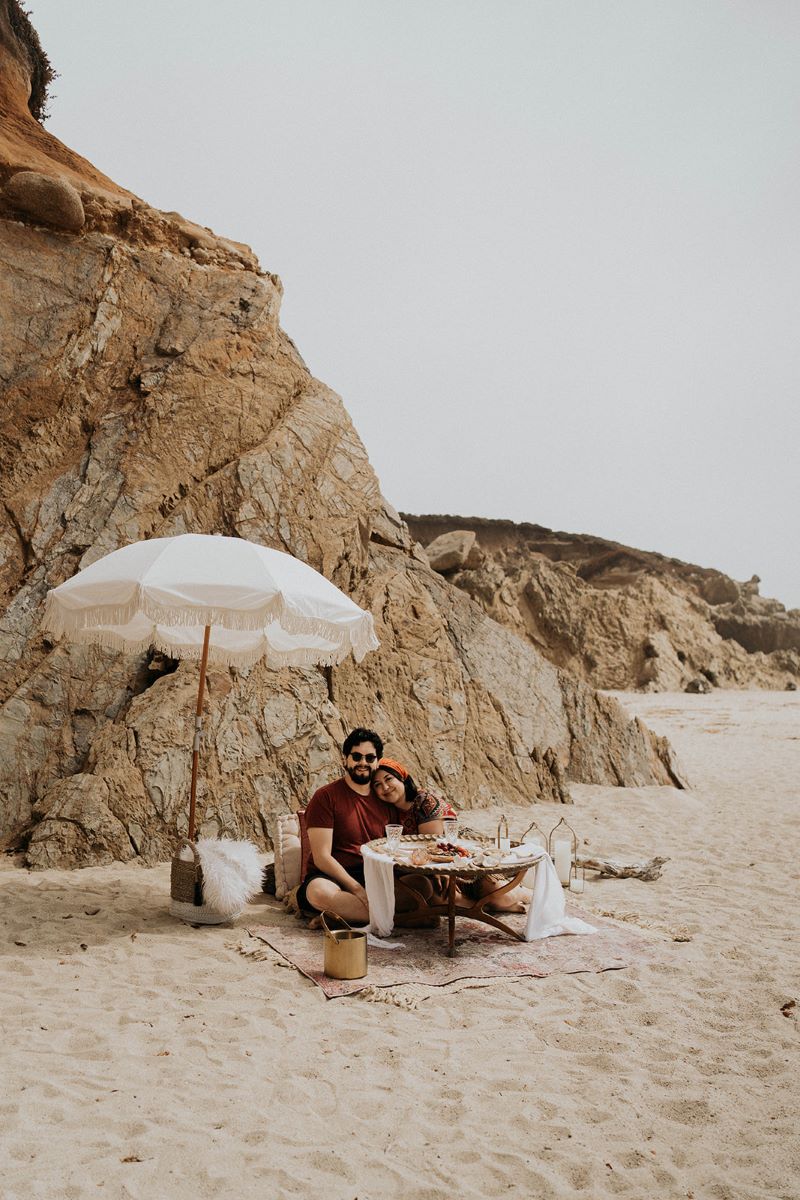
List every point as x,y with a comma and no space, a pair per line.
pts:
340,817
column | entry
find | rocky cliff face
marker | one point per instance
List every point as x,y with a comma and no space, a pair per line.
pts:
148,389
614,616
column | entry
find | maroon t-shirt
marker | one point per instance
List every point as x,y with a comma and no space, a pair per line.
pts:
354,819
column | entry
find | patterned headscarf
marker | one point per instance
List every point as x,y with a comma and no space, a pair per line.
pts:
400,772
394,768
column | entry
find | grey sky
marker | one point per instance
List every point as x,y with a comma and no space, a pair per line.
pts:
547,252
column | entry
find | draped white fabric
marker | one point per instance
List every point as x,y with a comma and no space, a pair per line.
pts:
260,602
379,884
547,915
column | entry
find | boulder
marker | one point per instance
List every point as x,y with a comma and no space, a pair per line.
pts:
719,589
698,686
451,550
46,199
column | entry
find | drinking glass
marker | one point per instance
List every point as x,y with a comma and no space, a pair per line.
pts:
393,833
451,828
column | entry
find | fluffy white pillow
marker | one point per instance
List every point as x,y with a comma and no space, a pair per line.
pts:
231,873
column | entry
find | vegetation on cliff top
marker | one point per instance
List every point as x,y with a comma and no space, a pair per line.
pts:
42,73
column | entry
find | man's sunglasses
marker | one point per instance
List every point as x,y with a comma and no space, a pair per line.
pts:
357,757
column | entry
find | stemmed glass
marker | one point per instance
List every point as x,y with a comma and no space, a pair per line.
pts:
393,834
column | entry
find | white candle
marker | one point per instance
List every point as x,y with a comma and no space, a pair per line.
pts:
562,857
576,884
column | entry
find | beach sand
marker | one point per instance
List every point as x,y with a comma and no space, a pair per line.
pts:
144,1058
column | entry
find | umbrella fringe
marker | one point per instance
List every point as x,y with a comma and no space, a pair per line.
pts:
92,625
218,654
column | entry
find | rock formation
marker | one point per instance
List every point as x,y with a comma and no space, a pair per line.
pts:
46,200
618,617
148,389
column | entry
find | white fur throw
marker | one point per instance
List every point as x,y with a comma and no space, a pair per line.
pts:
231,873
287,854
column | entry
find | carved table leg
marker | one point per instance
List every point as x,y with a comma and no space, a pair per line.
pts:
478,913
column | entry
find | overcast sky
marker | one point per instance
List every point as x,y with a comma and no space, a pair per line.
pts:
547,252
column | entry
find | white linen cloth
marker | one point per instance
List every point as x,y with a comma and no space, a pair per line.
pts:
379,883
547,916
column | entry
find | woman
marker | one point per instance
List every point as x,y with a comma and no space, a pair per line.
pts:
423,811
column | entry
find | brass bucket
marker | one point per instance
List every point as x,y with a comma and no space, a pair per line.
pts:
345,952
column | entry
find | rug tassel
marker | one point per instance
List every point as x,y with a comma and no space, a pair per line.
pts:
382,995
260,953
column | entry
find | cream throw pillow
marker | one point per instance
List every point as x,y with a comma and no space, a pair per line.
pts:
287,855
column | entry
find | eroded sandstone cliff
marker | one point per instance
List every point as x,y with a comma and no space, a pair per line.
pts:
148,389
614,616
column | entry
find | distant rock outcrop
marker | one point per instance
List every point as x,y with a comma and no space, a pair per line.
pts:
148,389
618,617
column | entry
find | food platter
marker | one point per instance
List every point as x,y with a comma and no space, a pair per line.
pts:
467,857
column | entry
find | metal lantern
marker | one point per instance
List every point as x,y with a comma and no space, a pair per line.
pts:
562,846
534,834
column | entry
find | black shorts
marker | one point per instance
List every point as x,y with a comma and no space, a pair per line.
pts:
304,905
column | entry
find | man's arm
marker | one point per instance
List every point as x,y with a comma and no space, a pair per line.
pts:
321,843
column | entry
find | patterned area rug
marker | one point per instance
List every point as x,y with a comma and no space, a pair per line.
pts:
482,953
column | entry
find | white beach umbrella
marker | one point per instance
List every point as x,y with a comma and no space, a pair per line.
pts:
219,599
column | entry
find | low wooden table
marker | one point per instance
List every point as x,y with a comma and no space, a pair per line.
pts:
450,906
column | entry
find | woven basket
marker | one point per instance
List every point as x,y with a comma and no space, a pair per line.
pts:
201,914
186,876
186,891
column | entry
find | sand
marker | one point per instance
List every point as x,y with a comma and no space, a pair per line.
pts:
143,1058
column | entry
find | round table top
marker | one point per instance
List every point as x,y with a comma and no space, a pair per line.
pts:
460,866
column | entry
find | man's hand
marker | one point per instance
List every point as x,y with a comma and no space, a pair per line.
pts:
360,894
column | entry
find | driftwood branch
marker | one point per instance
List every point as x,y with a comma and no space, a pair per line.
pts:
648,871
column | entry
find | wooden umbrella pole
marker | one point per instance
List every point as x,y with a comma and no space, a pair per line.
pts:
198,729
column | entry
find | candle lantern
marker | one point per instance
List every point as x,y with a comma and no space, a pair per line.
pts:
503,839
577,879
534,834
562,846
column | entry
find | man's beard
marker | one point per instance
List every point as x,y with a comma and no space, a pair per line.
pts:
365,773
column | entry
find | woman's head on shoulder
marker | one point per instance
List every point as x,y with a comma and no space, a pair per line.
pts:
393,784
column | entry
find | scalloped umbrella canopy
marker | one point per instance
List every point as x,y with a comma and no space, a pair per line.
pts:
165,591
219,599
